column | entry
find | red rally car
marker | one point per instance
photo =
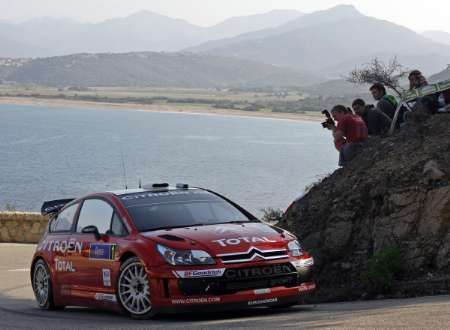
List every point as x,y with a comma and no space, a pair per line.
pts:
165,249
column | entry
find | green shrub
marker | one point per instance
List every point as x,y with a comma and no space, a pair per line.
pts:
383,267
272,215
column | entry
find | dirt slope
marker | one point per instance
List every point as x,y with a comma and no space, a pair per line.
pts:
395,196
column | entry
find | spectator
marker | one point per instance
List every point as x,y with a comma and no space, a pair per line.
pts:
349,134
377,122
429,102
386,103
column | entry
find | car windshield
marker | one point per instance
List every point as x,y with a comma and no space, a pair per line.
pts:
178,208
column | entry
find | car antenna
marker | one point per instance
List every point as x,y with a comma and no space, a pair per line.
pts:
123,167
140,184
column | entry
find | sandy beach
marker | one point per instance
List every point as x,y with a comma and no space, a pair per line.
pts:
161,108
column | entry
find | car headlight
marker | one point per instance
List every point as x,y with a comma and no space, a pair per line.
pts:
185,257
295,248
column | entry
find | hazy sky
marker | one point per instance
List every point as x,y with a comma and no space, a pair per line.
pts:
423,15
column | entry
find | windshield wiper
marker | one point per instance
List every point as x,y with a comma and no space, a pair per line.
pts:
236,221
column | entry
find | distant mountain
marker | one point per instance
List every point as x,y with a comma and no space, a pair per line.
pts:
438,36
238,25
341,35
441,76
334,14
153,70
142,31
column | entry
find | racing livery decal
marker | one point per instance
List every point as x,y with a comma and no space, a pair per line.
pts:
199,273
71,246
102,251
64,266
263,301
195,301
238,240
105,297
106,274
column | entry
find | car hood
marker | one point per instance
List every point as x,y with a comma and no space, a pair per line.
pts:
223,238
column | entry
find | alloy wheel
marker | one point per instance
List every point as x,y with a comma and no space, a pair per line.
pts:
134,289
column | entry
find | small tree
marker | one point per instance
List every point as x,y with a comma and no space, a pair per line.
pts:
389,74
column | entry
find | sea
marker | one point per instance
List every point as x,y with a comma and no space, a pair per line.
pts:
51,153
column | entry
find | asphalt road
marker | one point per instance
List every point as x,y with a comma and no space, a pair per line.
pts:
18,310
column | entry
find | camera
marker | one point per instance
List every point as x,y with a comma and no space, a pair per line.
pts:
329,122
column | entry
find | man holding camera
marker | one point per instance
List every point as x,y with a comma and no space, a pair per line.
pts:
349,133
377,122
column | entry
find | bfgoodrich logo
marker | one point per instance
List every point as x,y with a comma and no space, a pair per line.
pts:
200,273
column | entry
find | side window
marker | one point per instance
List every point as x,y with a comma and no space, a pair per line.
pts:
95,212
117,227
64,221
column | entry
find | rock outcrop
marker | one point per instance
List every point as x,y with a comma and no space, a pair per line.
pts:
395,194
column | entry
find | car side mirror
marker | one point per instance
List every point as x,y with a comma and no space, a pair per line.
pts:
92,230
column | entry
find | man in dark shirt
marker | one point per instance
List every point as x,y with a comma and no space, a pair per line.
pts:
377,122
349,134
386,103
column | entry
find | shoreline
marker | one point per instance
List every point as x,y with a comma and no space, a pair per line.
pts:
156,108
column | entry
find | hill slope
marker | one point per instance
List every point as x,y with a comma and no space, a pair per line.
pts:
390,196
438,36
152,70
142,31
334,14
318,43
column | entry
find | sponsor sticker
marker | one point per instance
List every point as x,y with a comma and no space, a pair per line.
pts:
161,194
105,297
70,246
306,287
188,301
199,273
239,240
65,266
106,273
261,291
262,301
102,251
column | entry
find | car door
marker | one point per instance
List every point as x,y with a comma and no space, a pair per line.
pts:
99,260
59,245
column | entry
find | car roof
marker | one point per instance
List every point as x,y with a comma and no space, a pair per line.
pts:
149,188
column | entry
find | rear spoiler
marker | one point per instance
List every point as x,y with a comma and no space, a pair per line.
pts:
50,207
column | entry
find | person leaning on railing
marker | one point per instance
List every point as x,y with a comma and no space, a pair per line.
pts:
428,102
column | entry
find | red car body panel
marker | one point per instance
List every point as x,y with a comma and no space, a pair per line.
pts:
84,270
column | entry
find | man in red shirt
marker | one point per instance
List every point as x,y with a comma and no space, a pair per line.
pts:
349,134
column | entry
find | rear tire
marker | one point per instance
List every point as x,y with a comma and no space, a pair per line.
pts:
43,287
133,290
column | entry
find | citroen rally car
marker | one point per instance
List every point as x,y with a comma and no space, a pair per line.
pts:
165,249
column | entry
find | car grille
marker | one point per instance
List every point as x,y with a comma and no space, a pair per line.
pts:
240,279
252,254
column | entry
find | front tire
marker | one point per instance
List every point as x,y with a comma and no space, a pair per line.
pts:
133,289
42,286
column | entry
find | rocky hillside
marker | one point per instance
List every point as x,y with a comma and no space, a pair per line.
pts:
382,224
